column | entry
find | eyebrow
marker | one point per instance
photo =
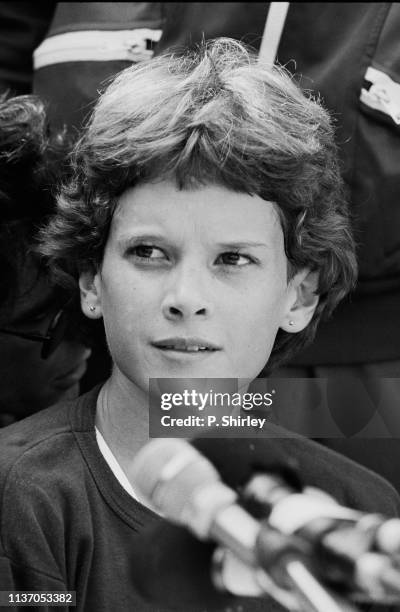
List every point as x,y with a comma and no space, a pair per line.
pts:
232,244
126,239
242,244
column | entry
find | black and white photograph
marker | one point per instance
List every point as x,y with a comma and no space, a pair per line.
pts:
200,306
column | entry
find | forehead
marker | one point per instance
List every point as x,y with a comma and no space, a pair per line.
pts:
213,211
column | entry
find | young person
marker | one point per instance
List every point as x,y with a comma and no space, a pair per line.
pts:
205,224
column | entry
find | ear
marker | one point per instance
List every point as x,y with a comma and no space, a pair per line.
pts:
90,286
302,301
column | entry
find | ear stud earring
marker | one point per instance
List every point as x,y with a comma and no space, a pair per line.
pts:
291,322
92,308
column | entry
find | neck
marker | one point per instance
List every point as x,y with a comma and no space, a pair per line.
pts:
122,417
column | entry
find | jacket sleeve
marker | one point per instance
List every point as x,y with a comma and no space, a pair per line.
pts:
22,27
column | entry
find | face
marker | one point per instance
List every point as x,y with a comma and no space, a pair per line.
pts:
192,283
28,382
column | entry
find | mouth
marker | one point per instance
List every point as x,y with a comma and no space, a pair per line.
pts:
187,345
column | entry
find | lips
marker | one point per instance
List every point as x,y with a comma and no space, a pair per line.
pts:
186,345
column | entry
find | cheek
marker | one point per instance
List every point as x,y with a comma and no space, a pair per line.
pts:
129,306
259,308
254,321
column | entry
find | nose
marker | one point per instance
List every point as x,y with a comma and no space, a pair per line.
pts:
188,294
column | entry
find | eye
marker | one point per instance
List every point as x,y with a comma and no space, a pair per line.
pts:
146,252
235,259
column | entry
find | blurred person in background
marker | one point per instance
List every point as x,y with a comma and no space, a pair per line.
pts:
41,361
79,47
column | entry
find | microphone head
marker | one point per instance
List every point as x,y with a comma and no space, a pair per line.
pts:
158,462
180,483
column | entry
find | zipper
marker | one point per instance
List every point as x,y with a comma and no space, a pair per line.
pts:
383,95
96,46
273,28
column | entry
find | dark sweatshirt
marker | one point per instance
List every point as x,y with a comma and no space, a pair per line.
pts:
67,524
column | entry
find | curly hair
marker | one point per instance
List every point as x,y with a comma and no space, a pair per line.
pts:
30,161
215,115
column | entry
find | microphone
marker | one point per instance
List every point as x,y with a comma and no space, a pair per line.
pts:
180,482
353,550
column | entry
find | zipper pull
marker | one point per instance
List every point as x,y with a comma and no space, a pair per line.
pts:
383,95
